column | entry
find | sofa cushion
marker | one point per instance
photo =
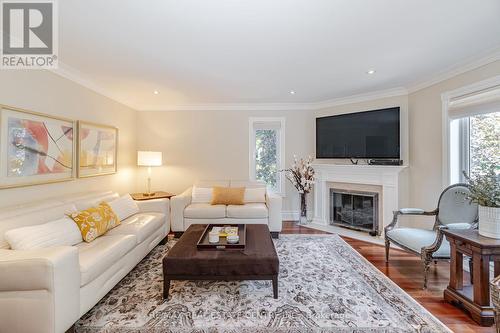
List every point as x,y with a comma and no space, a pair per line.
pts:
212,183
415,239
61,232
248,183
124,207
205,211
201,194
92,201
247,211
257,194
96,257
27,208
78,196
141,225
33,217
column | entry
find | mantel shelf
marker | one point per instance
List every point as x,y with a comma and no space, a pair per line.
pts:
357,167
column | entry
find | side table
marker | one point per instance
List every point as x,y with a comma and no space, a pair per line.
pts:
155,195
475,298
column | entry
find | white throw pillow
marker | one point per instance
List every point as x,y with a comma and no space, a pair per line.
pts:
62,232
201,195
92,202
257,194
124,207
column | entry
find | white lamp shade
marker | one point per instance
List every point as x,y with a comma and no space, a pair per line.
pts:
149,158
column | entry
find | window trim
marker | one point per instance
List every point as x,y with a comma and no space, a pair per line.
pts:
446,100
459,149
464,148
281,152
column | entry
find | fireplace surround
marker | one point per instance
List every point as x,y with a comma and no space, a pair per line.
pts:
354,210
384,180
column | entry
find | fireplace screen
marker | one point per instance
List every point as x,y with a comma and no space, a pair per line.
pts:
355,210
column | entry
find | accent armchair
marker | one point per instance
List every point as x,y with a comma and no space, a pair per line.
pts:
454,212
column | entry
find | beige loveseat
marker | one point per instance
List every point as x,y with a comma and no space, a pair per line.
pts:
266,210
49,289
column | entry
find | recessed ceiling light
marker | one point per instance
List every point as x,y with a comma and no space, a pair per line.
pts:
292,92
156,92
371,71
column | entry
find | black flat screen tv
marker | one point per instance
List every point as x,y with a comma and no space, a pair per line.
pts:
369,134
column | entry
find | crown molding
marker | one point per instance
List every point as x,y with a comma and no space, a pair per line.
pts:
78,77
231,107
284,106
457,69
370,96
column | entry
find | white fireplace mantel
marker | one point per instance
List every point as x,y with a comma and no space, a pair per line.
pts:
387,177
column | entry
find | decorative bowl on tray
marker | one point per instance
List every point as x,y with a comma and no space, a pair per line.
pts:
223,237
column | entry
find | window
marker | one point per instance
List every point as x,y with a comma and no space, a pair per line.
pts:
476,145
484,142
472,126
267,142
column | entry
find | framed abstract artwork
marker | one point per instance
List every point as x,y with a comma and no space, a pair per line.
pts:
35,148
97,149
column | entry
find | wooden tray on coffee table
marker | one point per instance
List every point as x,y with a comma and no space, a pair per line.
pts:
204,244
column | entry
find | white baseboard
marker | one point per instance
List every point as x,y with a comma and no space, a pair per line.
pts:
290,215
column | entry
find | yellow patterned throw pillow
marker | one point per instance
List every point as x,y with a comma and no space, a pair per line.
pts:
95,221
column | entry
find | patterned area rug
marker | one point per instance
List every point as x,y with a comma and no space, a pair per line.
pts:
324,286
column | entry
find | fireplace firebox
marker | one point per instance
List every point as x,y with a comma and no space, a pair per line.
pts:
354,210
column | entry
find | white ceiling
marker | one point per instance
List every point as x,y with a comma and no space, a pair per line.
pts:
255,51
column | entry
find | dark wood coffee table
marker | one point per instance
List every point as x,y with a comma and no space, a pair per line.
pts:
258,261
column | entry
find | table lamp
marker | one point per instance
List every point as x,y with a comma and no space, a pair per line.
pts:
149,159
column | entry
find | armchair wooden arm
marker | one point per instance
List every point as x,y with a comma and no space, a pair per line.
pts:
397,213
426,252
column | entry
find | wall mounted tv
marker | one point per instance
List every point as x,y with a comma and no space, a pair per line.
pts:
370,134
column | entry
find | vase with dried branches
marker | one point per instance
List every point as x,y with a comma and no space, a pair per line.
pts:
302,177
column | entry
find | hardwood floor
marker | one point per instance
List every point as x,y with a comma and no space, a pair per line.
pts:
406,271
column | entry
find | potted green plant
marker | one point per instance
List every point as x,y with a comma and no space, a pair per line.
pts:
485,191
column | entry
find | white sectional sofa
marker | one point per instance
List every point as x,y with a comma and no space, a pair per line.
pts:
266,211
49,289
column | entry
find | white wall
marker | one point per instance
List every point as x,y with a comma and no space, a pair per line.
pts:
426,136
45,92
214,144
211,145
199,145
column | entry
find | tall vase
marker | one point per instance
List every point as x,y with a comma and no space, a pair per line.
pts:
303,209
